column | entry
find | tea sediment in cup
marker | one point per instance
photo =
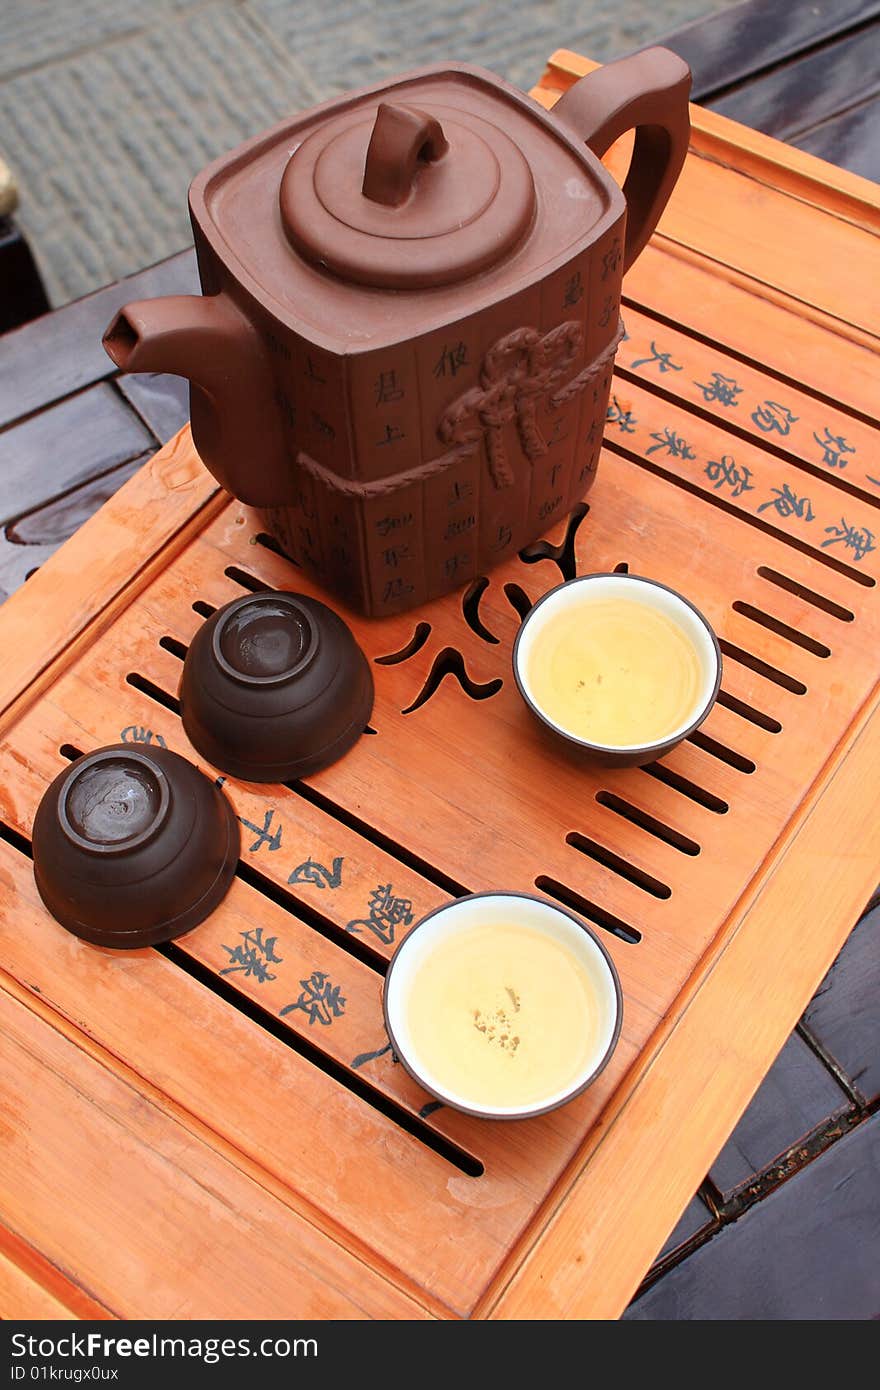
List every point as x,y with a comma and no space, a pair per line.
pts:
503,1015
615,671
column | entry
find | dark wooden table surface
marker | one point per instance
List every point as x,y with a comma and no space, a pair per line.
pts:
807,73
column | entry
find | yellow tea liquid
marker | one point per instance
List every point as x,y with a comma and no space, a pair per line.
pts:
503,1015
615,671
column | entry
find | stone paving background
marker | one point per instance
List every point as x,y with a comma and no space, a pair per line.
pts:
108,107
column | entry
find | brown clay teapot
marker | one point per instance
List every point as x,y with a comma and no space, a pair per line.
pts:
403,353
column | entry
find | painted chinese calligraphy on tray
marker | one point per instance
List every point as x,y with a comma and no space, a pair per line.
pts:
822,436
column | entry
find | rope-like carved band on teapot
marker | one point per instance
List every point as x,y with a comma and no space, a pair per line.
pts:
516,371
380,487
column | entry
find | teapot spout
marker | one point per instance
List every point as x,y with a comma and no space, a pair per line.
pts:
175,334
234,416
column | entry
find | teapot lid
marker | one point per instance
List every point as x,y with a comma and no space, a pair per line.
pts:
403,198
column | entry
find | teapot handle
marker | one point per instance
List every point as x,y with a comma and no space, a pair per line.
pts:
648,91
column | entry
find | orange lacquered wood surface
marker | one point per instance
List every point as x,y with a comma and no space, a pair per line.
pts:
187,1136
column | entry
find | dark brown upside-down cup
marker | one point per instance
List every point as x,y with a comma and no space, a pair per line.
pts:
274,687
132,848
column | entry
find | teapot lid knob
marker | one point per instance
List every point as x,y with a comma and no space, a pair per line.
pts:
404,139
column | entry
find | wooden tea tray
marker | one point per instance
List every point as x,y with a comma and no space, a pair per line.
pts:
218,1127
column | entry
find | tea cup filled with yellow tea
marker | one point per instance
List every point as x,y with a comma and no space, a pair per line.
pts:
620,666
502,1005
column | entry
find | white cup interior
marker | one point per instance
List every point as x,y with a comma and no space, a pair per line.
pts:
578,593
463,915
